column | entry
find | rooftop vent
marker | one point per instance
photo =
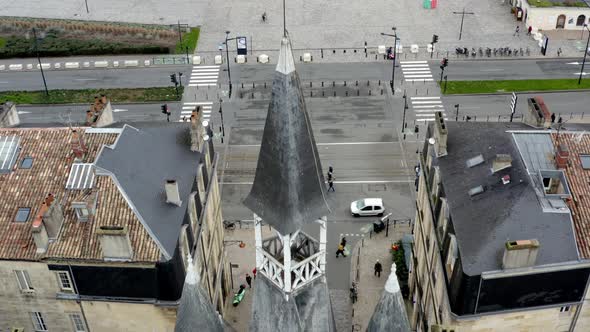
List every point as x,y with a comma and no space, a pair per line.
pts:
506,179
502,161
475,161
476,191
172,193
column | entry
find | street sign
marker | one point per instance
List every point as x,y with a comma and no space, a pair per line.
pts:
242,46
513,103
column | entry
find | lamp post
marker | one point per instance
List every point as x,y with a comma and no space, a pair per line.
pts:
457,112
404,116
221,113
39,60
463,12
585,52
227,59
395,39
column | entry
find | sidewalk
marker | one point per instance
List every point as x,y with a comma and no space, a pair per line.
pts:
370,287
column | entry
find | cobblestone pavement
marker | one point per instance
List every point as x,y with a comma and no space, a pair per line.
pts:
370,287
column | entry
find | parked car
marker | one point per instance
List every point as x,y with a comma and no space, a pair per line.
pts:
367,207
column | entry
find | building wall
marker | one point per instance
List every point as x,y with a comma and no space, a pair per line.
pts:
546,18
15,307
114,316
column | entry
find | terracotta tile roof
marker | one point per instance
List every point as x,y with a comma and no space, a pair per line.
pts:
579,183
53,157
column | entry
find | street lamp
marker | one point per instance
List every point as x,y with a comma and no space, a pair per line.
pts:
395,39
404,125
39,60
227,59
585,52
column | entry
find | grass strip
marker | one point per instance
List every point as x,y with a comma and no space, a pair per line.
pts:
188,40
87,95
467,87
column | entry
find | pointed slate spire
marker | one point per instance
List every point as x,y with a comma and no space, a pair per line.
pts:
390,313
195,312
289,188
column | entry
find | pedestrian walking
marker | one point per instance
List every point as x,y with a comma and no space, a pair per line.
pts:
340,250
249,280
552,117
517,31
330,173
378,269
343,242
264,17
331,185
254,273
530,30
559,51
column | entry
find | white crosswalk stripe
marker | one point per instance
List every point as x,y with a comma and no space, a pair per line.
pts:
204,76
416,71
425,108
189,106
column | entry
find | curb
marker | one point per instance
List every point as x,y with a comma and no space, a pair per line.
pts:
510,92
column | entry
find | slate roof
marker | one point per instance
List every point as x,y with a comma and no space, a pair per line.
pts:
195,311
140,162
307,310
390,313
579,182
289,188
483,223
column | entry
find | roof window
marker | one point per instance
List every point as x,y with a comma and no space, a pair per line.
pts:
8,150
26,163
22,215
585,159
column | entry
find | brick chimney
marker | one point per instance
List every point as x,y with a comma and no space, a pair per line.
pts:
78,145
8,115
562,156
196,129
440,134
172,192
39,232
522,253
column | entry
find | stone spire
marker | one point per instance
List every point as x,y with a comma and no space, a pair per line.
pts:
195,312
390,313
289,188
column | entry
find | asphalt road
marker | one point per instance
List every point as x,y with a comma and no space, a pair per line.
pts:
458,69
91,78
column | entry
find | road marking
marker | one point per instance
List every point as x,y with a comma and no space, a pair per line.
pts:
322,144
414,66
416,72
583,73
427,102
202,77
336,182
120,110
427,111
203,81
420,80
205,67
23,112
574,63
498,69
427,114
405,69
85,79
428,106
429,119
416,98
402,62
417,76
198,103
202,84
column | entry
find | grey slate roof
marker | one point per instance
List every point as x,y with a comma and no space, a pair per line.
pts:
390,313
289,188
195,312
483,223
140,161
307,310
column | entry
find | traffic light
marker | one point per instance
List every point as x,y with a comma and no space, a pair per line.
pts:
173,79
164,108
434,39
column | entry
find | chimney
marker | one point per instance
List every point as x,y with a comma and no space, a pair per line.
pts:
114,242
172,193
40,236
78,145
105,115
53,218
522,253
8,115
440,134
196,129
502,161
562,156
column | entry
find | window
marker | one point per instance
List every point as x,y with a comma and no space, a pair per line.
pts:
27,163
82,213
65,282
38,321
367,208
565,309
78,322
22,215
24,282
581,20
585,159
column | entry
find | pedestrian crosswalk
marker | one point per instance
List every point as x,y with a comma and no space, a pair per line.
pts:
188,107
204,76
425,108
416,71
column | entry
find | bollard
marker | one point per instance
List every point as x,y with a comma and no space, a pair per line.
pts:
416,91
572,115
241,95
357,83
368,83
355,51
381,91
253,85
252,96
265,85
322,51
310,84
358,92
379,83
346,93
427,92
499,118
344,83
323,94
333,51
488,119
375,56
242,85
333,84
344,51
334,93
583,115
322,84
311,93
369,92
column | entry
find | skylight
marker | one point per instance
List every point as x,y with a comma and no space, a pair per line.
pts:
475,161
8,150
585,159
